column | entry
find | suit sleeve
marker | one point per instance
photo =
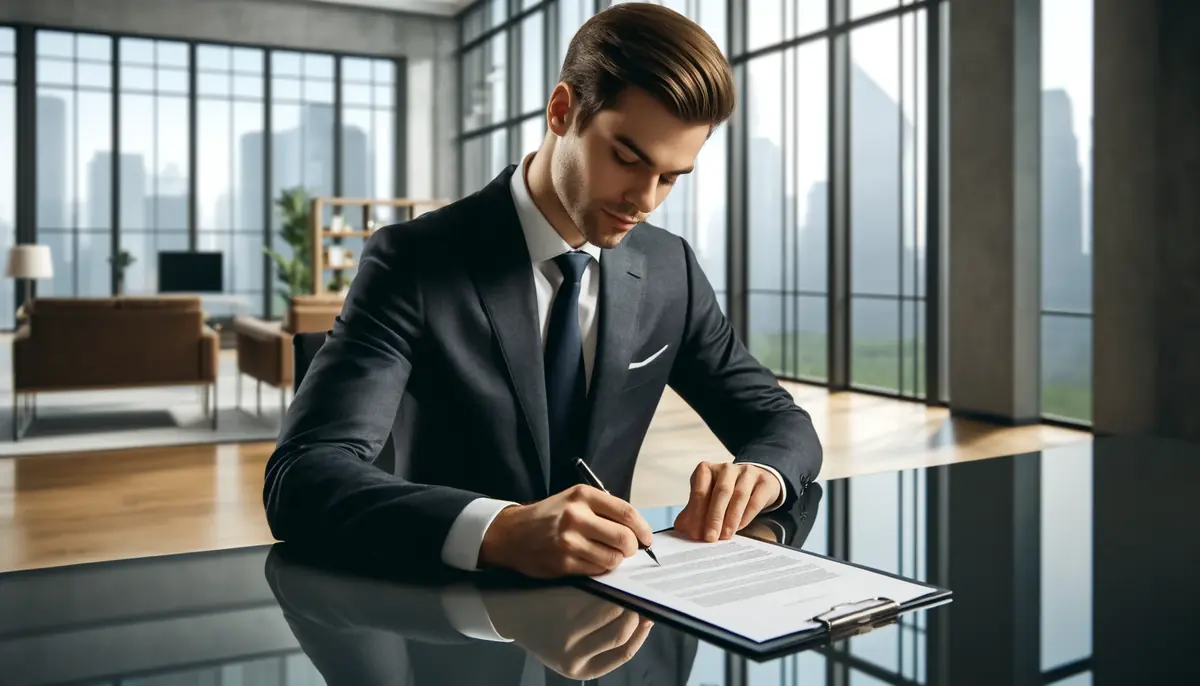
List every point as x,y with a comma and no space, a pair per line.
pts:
320,484
737,397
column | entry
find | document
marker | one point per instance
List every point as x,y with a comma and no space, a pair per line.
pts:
751,588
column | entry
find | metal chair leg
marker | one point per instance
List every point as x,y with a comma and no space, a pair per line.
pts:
239,390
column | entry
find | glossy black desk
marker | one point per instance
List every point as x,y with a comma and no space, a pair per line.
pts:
1074,566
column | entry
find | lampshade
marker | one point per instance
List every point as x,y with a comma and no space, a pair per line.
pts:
29,261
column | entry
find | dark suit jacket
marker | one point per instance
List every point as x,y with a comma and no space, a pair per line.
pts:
392,629
438,343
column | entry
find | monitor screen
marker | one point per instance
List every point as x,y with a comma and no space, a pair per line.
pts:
190,272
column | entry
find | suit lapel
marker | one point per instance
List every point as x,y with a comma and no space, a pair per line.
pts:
620,303
504,279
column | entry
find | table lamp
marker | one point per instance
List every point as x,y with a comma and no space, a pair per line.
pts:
29,262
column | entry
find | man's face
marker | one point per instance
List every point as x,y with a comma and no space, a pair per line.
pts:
623,165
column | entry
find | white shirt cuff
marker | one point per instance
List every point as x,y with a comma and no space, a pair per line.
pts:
782,486
467,613
461,547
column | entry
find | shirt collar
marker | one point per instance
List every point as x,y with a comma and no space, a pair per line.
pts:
543,242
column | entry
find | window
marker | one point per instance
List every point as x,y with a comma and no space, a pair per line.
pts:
788,186
153,195
302,134
1066,209
887,218
74,161
8,157
230,117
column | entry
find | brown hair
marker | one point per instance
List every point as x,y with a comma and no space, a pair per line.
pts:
656,49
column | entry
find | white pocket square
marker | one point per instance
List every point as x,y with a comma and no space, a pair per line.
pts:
648,360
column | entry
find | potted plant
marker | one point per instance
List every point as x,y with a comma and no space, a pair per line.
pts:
120,262
294,273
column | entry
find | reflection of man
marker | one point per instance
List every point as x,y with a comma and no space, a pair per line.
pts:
536,321
359,631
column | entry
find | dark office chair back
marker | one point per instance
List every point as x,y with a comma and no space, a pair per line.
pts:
304,350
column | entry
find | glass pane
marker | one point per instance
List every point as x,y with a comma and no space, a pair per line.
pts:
212,84
248,155
248,60
356,69
285,89
473,174
55,145
8,69
875,179
767,337
137,162
499,12
912,347
571,15
496,77
137,51
473,24
1067,367
810,357
708,226
384,96
383,150
1067,156
247,263
526,4
533,130
318,91
356,166
94,150
173,81
93,75
765,167
137,78
213,57
533,63
62,255
385,72
862,8
8,40
764,26
213,165
55,44
171,54
318,66
875,347
142,276
474,92
285,63
55,72
497,153
93,48
172,162
94,274
248,86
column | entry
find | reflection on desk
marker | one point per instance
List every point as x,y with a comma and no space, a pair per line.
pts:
1069,567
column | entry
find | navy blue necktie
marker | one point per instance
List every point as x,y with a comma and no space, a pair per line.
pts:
566,384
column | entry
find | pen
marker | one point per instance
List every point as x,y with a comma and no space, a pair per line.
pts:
594,482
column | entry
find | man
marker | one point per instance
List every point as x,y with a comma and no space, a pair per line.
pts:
536,321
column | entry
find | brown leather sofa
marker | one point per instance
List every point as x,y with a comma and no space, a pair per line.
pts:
80,344
264,349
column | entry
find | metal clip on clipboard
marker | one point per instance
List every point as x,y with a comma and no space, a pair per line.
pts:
862,618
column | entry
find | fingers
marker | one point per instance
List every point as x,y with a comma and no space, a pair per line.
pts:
579,517
691,518
718,500
743,489
620,652
763,495
620,511
587,557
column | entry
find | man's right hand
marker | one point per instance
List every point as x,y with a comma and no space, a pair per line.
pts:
580,531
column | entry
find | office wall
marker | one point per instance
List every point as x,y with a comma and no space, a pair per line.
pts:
427,43
1147,218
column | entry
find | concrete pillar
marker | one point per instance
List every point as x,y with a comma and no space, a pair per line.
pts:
994,236
1147,219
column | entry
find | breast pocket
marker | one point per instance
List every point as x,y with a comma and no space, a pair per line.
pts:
649,364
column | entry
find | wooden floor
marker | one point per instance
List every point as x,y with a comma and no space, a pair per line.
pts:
71,508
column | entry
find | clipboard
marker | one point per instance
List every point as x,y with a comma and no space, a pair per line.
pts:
837,623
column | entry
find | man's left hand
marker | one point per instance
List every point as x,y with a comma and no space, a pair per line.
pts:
726,496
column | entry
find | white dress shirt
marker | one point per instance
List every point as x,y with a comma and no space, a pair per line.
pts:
461,548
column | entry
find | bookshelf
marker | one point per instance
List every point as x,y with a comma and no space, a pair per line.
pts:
351,218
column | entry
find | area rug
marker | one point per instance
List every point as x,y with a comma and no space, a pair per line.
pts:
110,420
